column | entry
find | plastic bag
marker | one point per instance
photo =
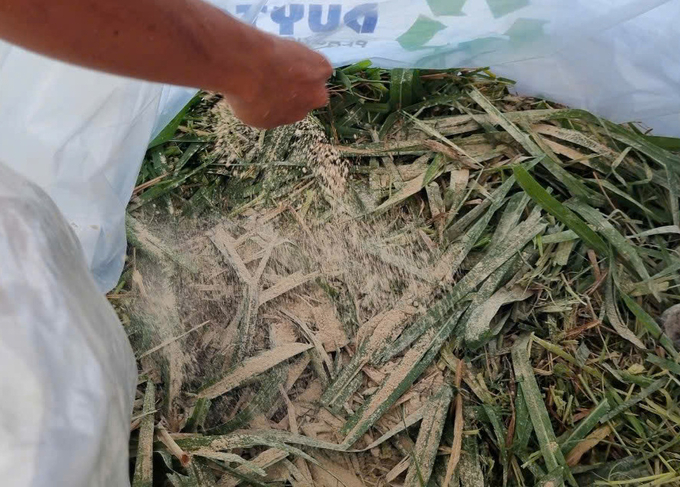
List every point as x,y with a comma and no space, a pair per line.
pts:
616,58
68,374
81,135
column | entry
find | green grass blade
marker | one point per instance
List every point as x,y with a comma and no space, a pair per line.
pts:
169,131
626,405
465,244
523,425
673,193
401,88
494,258
650,324
546,201
538,413
403,375
250,438
497,118
623,247
585,426
664,363
267,396
667,143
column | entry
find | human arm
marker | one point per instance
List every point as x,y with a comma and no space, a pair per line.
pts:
269,81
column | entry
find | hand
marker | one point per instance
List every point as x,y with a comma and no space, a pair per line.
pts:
287,81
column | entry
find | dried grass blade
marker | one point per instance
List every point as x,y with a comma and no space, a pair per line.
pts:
458,423
397,470
407,422
313,338
584,446
614,318
264,460
177,452
140,237
247,315
251,368
167,342
335,474
473,163
498,118
434,198
459,124
143,476
226,244
575,185
585,426
285,285
414,185
575,137
429,437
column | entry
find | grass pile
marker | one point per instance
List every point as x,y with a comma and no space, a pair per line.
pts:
431,282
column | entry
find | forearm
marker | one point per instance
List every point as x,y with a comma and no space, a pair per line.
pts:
268,81
182,42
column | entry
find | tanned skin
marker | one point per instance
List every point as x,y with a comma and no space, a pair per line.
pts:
268,81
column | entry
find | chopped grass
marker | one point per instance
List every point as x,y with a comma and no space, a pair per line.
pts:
535,243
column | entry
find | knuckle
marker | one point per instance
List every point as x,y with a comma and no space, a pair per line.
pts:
321,98
324,67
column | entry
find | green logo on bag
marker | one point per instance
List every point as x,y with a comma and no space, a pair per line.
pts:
499,8
362,19
425,28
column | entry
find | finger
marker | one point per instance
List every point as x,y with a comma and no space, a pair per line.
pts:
325,69
308,97
321,98
314,96
284,119
294,117
319,65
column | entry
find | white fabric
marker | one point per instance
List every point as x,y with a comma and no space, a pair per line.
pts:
67,372
81,135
